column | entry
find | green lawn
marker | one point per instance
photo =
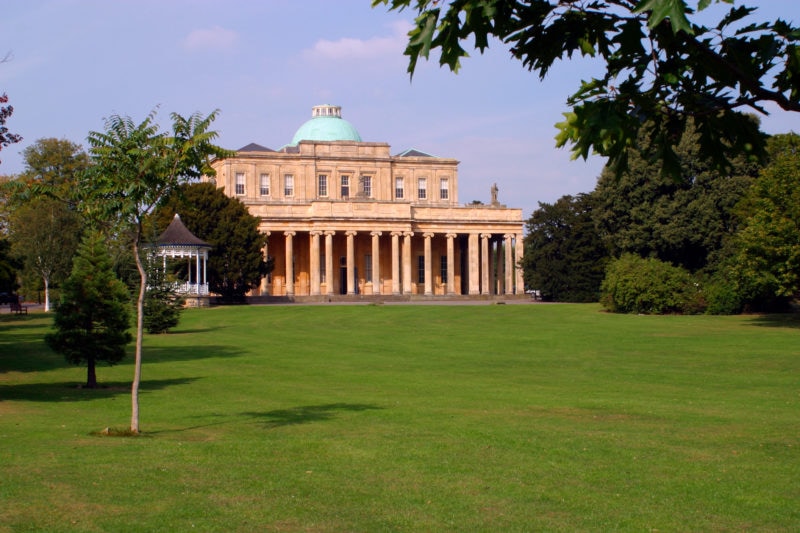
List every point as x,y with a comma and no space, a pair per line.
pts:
411,418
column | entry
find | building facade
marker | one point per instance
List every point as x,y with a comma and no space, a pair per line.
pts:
345,217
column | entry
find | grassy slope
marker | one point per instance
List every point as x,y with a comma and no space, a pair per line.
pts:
412,418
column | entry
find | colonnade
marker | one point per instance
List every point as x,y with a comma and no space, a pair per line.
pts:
488,271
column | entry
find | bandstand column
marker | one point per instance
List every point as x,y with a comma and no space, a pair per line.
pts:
509,264
407,262
376,262
329,262
451,271
474,264
395,262
428,269
351,261
289,260
197,273
485,262
519,247
314,262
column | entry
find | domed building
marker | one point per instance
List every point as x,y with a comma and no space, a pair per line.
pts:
345,217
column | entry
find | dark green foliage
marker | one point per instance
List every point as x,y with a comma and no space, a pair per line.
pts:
8,267
162,304
236,262
564,256
683,220
93,316
648,286
663,70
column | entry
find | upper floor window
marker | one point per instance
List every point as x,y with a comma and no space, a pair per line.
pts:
365,183
422,188
263,188
444,189
399,191
345,186
288,185
322,185
240,183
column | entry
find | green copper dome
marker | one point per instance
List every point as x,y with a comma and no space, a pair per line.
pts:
326,124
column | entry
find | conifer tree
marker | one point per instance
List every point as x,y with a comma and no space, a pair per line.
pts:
93,317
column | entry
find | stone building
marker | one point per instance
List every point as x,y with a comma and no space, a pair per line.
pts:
345,217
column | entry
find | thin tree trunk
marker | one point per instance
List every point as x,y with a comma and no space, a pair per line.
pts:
46,293
137,374
91,373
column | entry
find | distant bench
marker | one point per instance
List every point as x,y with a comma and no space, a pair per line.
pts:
18,308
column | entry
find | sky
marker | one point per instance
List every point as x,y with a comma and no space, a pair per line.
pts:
265,64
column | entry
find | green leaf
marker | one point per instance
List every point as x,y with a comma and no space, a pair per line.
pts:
674,10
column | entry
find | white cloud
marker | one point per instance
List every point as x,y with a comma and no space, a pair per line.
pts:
351,48
211,38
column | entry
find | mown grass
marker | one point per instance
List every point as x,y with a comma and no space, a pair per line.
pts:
411,418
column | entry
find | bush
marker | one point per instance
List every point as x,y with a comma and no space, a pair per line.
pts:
649,286
722,298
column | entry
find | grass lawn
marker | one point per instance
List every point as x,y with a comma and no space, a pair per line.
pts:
411,418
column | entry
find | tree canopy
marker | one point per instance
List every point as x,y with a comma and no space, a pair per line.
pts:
663,67
6,137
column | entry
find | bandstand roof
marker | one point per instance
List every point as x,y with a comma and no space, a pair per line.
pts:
178,235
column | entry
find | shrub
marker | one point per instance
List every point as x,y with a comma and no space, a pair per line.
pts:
649,286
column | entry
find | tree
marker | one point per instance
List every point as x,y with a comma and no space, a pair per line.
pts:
661,68
236,262
682,220
134,167
564,257
8,267
53,165
6,137
767,262
93,317
45,233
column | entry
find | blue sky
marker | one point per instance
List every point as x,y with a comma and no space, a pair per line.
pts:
264,64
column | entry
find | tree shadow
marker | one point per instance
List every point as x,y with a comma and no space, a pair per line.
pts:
74,392
307,414
777,320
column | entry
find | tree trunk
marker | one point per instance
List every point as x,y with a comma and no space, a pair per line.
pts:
91,373
46,280
137,374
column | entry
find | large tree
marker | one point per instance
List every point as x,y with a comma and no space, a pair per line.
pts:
663,67
236,262
45,233
6,137
93,317
135,166
564,256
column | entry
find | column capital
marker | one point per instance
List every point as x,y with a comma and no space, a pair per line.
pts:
289,233
508,236
329,233
486,235
376,233
408,234
315,232
428,234
351,233
451,235
397,234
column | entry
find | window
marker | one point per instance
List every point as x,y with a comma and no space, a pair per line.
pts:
444,188
422,188
322,185
264,185
398,188
240,183
421,268
322,278
288,185
368,268
443,268
345,186
366,186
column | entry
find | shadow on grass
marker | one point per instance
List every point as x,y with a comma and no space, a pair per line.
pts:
307,414
777,320
74,392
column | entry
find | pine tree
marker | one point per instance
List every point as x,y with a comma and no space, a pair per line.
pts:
93,317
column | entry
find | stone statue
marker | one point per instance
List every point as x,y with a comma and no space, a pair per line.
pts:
494,193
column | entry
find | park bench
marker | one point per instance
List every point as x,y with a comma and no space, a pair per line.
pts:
18,308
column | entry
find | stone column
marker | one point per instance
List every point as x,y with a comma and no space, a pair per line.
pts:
451,271
519,247
407,262
314,262
289,262
395,262
485,262
376,263
474,265
351,261
509,264
329,262
428,269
